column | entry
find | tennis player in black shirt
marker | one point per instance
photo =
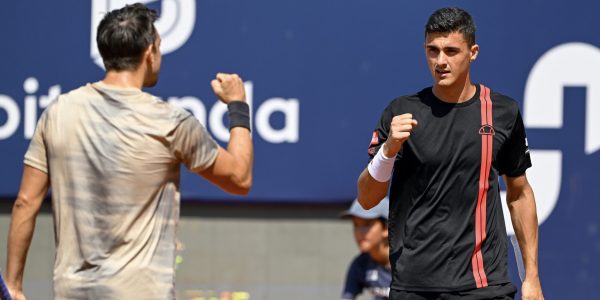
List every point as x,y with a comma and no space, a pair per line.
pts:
443,150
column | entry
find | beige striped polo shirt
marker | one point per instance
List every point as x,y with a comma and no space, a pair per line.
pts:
113,156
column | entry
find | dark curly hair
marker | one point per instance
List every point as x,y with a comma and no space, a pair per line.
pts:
124,34
452,19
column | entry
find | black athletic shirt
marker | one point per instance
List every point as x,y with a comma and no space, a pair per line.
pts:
435,186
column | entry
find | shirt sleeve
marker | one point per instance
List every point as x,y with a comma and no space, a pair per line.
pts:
354,283
193,145
380,133
36,155
514,158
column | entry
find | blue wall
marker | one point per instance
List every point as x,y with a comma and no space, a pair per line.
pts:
319,74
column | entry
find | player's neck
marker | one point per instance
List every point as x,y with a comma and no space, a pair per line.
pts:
456,93
124,79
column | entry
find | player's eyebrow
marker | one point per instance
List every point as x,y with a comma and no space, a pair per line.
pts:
451,48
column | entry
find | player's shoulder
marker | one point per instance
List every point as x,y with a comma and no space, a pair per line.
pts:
177,112
85,89
67,98
140,101
168,112
80,95
499,98
410,100
81,92
414,97
502,101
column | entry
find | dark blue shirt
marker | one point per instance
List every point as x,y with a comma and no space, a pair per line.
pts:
365,273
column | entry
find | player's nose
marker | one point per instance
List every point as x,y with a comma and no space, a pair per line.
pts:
441,60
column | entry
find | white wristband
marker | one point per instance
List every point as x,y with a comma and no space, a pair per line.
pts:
381,167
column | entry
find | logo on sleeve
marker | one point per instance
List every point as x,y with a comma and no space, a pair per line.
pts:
374,142
375,138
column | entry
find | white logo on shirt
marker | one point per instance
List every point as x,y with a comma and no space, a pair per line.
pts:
372,275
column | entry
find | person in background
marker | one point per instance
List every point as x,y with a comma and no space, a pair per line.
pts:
370,270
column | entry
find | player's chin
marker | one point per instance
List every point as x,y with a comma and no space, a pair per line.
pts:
443,82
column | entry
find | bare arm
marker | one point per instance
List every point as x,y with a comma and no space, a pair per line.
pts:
371,191
232,169
521,203
34,187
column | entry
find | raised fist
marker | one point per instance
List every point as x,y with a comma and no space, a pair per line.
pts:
228,87
400,129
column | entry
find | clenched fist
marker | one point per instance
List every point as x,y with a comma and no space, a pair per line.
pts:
228,87
400,130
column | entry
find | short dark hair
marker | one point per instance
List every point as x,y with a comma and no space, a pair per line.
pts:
452,19
124,34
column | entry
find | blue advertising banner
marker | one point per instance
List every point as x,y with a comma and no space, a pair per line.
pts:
318,74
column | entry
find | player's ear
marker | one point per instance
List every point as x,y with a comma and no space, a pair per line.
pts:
474,52
149,54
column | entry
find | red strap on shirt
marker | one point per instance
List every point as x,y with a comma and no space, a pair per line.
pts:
487,138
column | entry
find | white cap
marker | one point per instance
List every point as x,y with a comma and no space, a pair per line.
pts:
379,211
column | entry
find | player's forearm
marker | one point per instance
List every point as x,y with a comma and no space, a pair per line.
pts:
241,148
524,220
370,191
19,239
